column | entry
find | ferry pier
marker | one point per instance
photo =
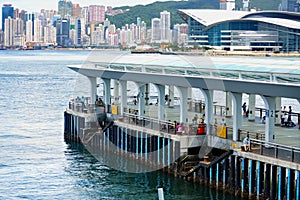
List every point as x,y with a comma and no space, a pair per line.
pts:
140,135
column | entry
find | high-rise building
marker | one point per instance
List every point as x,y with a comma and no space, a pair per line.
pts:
65,8
49,34
23,18
180,31
98,36
165,23
16,13
155,30
19,39
30,17
29,33
76,11
7,11
96,14
113,39
227,4
37,37
139,21
9,32
85,14
290,5
143,32
63,32
78,31
246,5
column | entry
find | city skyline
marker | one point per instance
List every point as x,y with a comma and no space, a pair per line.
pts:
37,5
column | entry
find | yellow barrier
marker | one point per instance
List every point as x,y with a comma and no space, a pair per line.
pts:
221,132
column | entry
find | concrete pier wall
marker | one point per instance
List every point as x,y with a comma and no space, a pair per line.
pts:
241,174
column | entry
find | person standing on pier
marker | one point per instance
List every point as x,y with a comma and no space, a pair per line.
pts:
244,106
290,114
223,122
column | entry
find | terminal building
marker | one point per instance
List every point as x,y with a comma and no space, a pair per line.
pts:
243,30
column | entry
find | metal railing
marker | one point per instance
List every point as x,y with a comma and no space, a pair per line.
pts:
158,125
278,151
85,108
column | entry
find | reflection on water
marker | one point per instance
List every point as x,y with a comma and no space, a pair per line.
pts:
97,179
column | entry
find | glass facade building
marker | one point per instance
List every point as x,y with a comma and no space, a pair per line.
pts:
7,11
62,32
229,30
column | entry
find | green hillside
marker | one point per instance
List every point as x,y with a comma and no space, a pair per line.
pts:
147,12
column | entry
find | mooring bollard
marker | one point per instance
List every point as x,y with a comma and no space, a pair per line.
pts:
161,194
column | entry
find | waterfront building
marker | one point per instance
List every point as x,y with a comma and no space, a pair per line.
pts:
155,30
9,32
113,39
143,32
29,33
165,23
78,26
49,34
7,11
135,34
243,30
19,38
73,36
62,32
30,17
96,14
180,32
123,37
227,4
97,38
37,37
65,8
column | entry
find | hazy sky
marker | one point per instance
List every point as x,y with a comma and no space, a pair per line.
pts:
37,5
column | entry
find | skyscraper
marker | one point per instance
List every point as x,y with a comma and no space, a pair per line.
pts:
155,29
29,17
62,32
65,8
29,33
9,32
227,4
76,11
96,14
78,31
19,32
7,11
37,37
289,5
246,5
165,23
139,21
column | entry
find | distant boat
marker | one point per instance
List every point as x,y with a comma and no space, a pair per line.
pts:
268,55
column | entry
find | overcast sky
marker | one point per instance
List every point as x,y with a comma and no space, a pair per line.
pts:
37,5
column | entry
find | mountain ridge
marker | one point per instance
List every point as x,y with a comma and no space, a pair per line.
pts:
150,11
